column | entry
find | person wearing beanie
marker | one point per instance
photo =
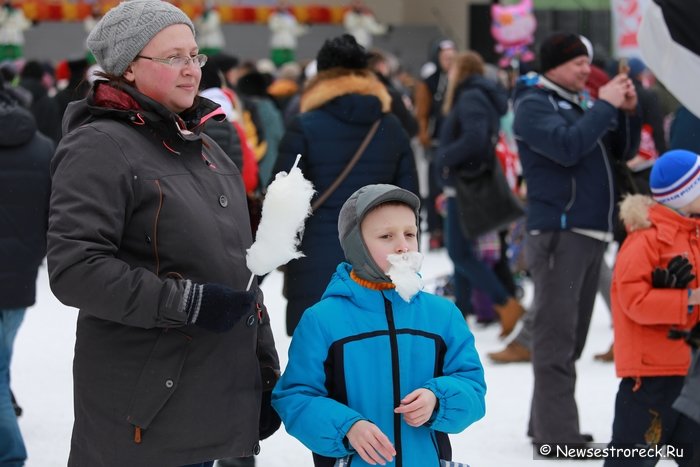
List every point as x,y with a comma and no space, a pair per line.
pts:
379,370
654,293
148,229
568,147
345,110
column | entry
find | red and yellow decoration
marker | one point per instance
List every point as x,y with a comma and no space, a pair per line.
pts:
78,10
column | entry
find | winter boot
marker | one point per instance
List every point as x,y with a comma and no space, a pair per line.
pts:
606,357
515,352
509,314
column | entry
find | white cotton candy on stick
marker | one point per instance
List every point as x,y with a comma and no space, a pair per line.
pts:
286,206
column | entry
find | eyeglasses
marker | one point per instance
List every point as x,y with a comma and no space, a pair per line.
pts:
179,61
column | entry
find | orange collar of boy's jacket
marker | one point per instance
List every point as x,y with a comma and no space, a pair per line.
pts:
370,284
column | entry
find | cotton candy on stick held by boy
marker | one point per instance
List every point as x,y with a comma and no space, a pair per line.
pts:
287,205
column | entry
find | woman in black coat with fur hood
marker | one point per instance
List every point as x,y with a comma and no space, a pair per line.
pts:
338,108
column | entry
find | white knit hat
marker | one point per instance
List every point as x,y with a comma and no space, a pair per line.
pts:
125,30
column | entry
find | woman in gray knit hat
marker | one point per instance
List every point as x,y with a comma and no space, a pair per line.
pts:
148,230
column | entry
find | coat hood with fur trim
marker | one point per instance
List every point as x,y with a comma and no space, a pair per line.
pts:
336,82
634,212
639,212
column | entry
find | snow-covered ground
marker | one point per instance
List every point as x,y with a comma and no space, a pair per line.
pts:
41,379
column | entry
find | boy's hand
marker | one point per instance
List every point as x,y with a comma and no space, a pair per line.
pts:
680,267
417,407
370,443
678,274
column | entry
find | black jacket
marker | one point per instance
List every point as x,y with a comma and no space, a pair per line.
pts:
226,136
468,131
24,202
398,108
44,108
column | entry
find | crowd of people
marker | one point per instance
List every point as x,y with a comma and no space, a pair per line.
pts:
139,171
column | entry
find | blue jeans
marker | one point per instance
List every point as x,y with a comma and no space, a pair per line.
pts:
12,450
468,268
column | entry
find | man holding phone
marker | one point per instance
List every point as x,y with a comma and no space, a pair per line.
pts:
567,144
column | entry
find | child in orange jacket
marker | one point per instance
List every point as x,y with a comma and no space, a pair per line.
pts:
654,290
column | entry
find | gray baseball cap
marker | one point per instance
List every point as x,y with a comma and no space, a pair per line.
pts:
350,218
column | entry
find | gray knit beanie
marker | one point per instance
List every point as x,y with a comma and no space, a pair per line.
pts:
350,218
125,30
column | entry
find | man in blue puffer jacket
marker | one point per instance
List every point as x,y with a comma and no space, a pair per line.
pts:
568,148
380,371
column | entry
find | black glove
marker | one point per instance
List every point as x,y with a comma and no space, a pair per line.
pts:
693,337
680,267
220,306
677,275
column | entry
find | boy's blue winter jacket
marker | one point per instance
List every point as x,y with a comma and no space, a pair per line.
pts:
358,352
568,151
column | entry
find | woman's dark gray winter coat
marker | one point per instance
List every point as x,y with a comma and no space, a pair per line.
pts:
137,208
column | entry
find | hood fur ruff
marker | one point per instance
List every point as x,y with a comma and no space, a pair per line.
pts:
634,212
336,82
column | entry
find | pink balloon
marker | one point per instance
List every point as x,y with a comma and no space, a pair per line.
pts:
513,27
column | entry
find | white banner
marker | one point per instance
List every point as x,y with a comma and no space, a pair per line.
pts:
626,17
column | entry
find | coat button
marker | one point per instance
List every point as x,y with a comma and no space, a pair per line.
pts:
169,383
256,448
223,201
251,320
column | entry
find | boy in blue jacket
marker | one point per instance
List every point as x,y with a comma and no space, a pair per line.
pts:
380,371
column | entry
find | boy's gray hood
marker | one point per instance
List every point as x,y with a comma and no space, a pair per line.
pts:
350,218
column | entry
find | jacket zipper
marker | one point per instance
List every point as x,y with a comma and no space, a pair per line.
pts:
611,190
396,379
155,226
569,205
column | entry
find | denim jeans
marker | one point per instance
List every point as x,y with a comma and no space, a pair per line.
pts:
12,450
469,270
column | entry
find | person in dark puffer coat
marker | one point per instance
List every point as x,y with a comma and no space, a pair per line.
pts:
24,202
473,108
338,107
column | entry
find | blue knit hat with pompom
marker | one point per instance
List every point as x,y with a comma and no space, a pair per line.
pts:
675,178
